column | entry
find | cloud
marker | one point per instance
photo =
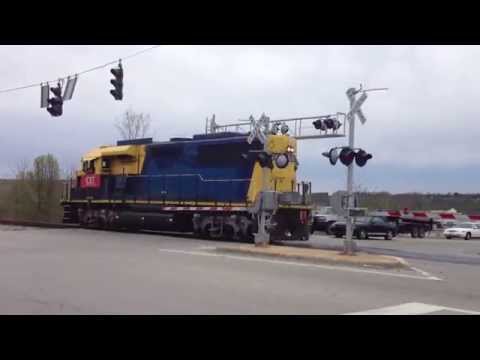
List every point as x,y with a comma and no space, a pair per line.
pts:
427,120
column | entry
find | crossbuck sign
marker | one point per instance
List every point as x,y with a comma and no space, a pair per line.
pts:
355,105
257,131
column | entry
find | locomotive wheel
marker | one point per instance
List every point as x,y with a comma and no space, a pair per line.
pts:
205,232
215,232
228,233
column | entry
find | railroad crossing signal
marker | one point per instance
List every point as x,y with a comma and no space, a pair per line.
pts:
327,124
117,83
355,105
256,129
56,103
347,155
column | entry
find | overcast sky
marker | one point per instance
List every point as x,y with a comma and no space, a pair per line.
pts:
423,132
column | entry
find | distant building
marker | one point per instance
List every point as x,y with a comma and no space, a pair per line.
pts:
320,199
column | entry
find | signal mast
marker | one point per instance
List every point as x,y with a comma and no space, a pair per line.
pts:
325,126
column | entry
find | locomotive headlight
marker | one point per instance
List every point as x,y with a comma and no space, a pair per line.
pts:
290,149
281,161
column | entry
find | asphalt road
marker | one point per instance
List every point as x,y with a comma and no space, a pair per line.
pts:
75,271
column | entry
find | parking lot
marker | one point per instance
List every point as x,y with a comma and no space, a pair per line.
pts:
76,271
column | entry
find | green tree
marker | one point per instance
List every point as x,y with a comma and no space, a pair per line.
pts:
36,192
44,178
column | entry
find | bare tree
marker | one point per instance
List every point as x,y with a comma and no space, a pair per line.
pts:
133,125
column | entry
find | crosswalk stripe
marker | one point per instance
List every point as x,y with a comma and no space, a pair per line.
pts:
412,308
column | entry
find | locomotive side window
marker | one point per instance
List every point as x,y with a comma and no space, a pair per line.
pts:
88,166
106,163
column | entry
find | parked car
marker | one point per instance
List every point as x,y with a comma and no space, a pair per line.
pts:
466,231
323,219
367,227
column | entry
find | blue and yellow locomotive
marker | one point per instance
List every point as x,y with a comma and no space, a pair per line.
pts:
208,184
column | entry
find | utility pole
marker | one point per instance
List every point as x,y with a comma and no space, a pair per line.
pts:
349,244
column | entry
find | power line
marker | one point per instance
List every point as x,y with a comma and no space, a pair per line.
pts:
82,72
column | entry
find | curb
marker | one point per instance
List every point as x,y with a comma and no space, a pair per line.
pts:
325,257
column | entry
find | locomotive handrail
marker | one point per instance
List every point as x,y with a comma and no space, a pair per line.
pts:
297,126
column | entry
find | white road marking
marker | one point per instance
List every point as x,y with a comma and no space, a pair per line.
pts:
424,273
207,248
412,308
317,266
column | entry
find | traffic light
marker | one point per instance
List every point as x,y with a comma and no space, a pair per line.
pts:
265,160
117,83
56,103
361,157
346,156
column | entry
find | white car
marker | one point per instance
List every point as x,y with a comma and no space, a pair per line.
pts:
463,230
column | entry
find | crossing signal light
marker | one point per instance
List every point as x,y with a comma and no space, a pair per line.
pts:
56,103
332,155
327,124
265,160
361,157
333,124
117,83
319,125
346,156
